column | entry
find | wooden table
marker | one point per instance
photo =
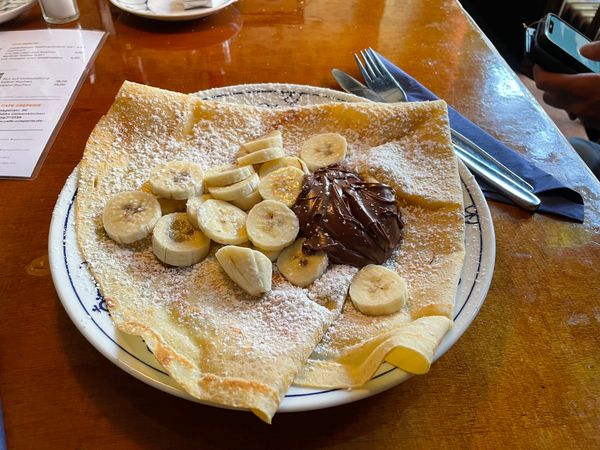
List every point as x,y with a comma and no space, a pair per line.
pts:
526,374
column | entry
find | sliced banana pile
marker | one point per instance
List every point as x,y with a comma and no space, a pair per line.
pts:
245,208
192,206
262,150
272,139
167,205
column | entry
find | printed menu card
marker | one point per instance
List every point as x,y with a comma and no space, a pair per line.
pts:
40,74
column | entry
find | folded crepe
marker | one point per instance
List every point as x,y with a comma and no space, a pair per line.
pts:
232,350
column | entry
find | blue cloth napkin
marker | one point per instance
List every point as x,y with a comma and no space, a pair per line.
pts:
556,198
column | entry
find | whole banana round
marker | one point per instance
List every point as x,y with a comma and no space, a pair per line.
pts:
130,216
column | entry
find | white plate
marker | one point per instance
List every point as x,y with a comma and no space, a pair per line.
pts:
143,11
87,309
15,8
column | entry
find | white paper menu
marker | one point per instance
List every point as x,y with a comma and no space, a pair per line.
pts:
40,73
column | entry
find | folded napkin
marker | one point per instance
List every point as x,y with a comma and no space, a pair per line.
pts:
556,198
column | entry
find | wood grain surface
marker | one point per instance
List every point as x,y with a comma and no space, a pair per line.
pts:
526,374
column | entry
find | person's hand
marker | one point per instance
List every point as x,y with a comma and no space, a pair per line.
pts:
579,94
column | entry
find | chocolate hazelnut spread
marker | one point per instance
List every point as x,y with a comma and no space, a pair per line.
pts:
354,221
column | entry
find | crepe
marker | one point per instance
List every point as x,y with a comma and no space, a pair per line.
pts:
221,345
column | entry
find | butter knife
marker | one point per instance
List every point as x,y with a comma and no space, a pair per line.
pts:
475,158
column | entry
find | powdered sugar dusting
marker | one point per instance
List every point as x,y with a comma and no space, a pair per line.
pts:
218,325
284,324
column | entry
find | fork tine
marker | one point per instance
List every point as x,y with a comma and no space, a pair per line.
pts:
383,70
362,69
368,65
372,62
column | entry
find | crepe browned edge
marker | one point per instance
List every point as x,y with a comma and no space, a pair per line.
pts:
196,114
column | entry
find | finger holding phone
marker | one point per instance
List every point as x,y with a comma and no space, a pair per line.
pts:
567,68
578,94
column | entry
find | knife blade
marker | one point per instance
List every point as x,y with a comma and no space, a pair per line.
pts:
353,86
488,168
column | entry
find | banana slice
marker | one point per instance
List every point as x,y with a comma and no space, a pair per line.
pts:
283,185
170,205
177,179
226,175
222,222
167,205
376,291
284,161
236,191
301,268
130,216
249,201
193,205
272,255
249,269
323,149
261,156
269,140
271,225
177,243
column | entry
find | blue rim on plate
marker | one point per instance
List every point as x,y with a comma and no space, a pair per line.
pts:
85,306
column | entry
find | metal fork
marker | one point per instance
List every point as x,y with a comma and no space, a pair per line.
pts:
379,79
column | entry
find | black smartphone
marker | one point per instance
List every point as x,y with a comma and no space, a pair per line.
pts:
554,45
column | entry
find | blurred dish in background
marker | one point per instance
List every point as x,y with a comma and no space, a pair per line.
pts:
171,10
151,54
12,8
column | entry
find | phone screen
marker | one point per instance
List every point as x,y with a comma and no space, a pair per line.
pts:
569,39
